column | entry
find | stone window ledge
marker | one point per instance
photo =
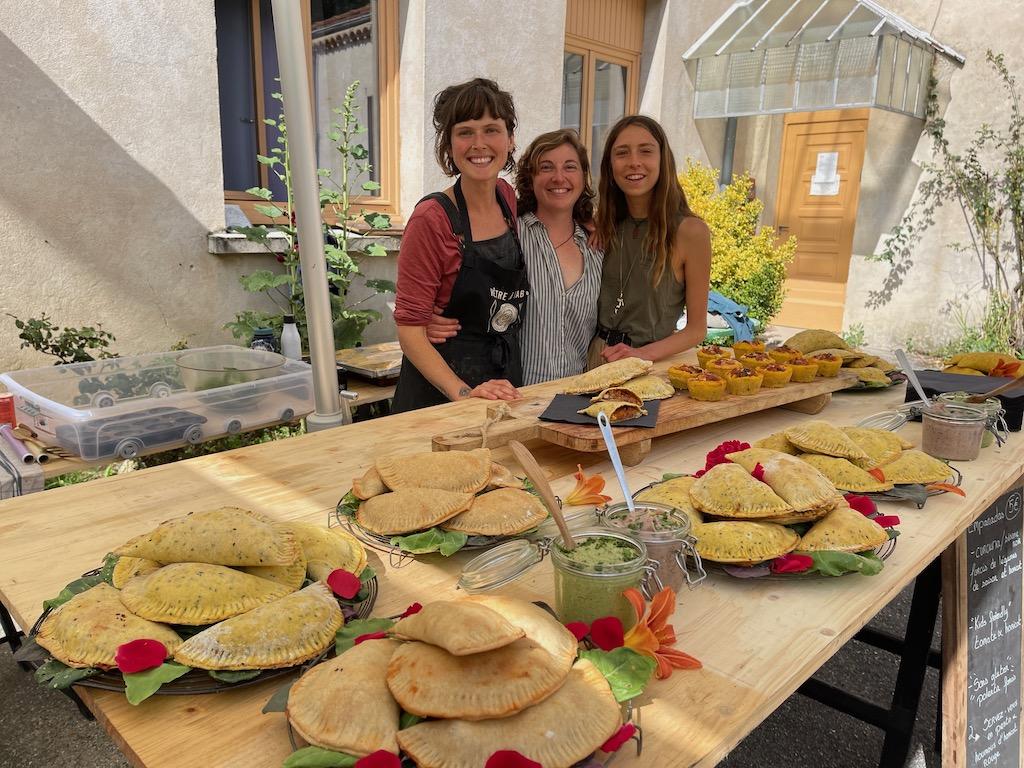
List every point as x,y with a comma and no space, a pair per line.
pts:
225,243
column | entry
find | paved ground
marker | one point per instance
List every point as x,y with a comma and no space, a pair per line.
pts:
40,728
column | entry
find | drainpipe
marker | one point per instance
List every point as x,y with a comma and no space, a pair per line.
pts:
727,152
298,113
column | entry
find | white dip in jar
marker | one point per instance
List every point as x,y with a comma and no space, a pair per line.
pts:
664,530
953,432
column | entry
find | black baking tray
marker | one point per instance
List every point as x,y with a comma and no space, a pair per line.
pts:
936,383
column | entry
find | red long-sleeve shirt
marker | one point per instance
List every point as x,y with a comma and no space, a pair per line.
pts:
429,260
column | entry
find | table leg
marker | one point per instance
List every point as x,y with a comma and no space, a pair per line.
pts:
634,453
11,635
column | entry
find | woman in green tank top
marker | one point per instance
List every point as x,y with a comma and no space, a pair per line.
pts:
657,251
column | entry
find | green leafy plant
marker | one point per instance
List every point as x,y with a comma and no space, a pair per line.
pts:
985,180
748,265
68,344
284,288
854,335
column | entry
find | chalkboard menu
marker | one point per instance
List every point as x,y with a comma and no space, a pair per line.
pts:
994,569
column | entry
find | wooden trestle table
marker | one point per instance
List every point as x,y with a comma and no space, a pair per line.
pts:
758,639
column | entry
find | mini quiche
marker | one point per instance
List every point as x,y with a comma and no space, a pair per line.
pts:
678,375
723,366
744,381
828,364
782,354
706,386
710,352
804,370
755,359
775,375
741,348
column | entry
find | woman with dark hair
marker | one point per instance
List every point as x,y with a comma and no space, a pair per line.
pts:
460,253
657,251
555,199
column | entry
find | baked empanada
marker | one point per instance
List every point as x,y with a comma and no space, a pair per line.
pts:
608,375
843,530
460,627
873,377
559,732
744,543
290,576
504,512
411,509
649,387
881,445
915,466
844,474
539,625
728,490
87,630
821,437
796,482
814,339
225,536
777,442
618,394
327,549
458,471
127,568
369,485
354,683
502,477
291,630
197,593
675,493
616,411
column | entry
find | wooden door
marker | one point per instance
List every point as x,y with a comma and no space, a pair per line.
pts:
819,187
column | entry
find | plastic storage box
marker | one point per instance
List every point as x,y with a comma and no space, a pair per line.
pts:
124,406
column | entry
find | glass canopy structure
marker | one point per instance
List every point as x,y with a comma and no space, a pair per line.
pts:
772,56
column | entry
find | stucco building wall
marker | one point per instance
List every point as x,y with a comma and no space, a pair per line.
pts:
112,175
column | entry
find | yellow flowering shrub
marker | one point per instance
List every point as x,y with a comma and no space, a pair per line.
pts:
747,264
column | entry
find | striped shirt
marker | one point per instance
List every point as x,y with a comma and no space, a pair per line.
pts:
559,322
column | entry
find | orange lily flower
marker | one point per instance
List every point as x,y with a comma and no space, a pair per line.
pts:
1007,368
652,635
587,490
948,487
878,474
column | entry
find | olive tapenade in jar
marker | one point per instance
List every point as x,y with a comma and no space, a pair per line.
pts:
665,531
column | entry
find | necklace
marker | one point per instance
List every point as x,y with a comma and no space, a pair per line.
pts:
619,302
637,223
572,234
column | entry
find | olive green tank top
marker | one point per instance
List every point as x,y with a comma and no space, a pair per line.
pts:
647,313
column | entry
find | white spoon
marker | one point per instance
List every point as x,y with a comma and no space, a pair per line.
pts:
613,453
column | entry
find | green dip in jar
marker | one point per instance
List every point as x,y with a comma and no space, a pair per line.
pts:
590,579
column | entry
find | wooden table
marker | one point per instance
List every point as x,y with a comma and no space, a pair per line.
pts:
759,640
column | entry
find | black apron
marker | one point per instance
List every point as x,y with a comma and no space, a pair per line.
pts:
488,299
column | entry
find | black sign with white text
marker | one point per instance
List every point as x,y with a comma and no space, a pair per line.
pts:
994,570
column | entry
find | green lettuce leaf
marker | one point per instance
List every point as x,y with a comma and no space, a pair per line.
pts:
315,757
59,675
407,720
76,587
348,505
345,638
626,671
233,675
432,540
279,701
670,476
107,571
364,591
838,563
139,686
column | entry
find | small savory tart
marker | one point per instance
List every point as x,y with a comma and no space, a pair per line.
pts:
783,354
828,364
755,359
741,348
804,370
723,366
706,386
745,381
680,374
710,352
775,375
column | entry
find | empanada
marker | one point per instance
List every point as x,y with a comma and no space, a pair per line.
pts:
127,568
504,512
777,442
915,466
290,576
845,475
351,683
744,543
327,549
881,445
225,536
286,632
618,394
87,630
728,490
460,627
502,477
796,482
369,485
538,624
843,530
562,730
616,411
608,375
458,471
814,339
649,387
411,509
821,437
675,493
197,593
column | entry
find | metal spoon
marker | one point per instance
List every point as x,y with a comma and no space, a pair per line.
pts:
613,454
908,369
540,482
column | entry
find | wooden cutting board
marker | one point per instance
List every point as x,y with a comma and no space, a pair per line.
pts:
677,413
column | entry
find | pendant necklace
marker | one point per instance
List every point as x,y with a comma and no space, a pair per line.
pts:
619,302
572,234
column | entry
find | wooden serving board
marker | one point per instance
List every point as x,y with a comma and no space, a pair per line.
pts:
677,414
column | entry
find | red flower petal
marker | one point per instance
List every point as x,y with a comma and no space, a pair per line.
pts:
878,474
791,563
862,504
414,608
370,636
140,655
624,734
509,758
758,472
379,759
699,473
607,633
344,584
887,521
579,629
